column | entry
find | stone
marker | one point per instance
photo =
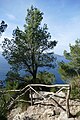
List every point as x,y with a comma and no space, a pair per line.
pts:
57,110
46,111
63,116
14,112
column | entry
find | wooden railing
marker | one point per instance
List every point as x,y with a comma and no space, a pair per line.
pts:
31,88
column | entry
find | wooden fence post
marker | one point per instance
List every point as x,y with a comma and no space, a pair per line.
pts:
67,102
31,97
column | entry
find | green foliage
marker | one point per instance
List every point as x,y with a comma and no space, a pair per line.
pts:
66,71
71,71
12,80
53,90
26,50
3,26
75,90
46,77
3,107
42,78
67,55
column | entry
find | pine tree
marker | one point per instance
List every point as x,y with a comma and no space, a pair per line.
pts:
71,71
26,50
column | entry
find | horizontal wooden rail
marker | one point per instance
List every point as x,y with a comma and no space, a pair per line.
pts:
55,85
36,85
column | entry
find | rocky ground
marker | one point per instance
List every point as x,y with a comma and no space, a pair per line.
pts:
46,111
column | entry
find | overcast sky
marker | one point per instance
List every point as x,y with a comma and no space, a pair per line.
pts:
61,16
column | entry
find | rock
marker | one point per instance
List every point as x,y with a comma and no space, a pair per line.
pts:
63,116
46,111
57,110
79,118
14,112
22,116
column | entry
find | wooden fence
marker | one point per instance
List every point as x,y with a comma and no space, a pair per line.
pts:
31,89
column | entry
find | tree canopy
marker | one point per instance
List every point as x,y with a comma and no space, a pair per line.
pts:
71,71
26,50
3,26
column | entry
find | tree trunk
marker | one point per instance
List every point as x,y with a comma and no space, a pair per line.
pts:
34,74
34,77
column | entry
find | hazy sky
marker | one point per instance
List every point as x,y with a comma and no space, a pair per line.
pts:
61,16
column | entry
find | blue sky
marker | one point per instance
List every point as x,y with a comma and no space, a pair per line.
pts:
61,16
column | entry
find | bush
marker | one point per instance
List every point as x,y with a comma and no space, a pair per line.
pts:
75,88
